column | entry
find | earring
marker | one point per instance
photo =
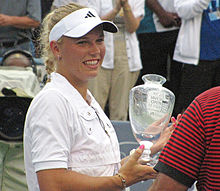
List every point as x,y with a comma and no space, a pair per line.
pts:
59,57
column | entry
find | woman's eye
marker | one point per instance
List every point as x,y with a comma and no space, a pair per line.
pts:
82,42
100,40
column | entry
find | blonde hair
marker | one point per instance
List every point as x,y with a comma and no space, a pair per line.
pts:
48,23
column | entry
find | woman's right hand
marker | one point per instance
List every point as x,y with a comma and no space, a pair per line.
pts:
133,171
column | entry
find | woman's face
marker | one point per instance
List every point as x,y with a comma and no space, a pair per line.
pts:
81,57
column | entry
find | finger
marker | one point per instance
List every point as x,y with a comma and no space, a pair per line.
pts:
178,117
166,124
171,127
173,120
138,152
163,118
158,122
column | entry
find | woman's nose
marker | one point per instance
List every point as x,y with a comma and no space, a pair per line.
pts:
94,49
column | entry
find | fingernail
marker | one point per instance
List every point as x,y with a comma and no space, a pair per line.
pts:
141,147
174,125
173,118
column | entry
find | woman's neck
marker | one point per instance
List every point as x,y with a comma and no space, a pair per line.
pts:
82,89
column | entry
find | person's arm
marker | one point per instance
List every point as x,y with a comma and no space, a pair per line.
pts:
167,19
188,9
131,22
65,180
164,182
112,14
18,22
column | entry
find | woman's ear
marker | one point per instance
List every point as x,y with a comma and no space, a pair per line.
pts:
55,48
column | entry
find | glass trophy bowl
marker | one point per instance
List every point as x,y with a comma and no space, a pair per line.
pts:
150,108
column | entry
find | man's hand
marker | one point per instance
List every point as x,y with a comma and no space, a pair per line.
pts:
169,19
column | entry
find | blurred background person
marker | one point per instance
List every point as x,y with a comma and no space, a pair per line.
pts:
16,59
122,62
18,72
16,23
157,36
198,48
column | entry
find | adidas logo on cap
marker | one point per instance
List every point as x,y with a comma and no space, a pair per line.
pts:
89,14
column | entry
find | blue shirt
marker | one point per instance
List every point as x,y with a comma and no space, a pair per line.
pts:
210,32
30,8
147,23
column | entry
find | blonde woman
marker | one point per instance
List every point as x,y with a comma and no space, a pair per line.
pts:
69,143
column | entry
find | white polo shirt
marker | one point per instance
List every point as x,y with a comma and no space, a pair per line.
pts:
63,131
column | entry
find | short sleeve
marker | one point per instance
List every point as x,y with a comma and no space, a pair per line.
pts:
50,122
184,153
137,7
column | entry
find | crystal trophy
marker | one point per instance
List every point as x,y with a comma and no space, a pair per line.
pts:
150,108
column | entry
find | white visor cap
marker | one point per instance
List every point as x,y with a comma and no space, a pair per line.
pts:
79,23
